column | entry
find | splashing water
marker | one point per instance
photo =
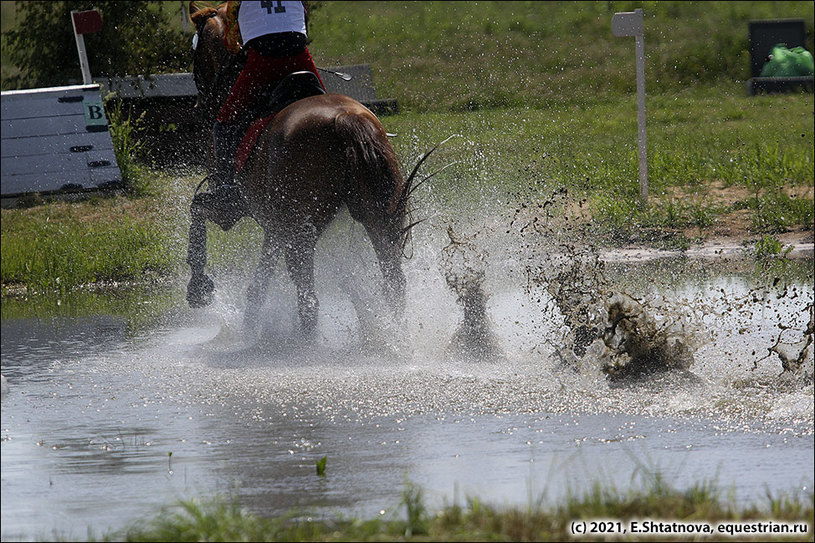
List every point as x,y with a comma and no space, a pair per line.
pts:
464,269
608,330
604,329
797,357
262,414
625,336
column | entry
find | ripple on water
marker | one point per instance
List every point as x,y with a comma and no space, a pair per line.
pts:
256,414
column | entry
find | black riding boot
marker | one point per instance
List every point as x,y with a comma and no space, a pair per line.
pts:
223,200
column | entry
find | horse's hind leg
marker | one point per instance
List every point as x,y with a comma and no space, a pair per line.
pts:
256,294
300,262
200,287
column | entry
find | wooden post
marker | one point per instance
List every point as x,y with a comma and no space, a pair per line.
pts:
630,23
85,22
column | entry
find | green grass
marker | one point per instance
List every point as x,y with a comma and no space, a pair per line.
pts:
542,98
554,90
62,254
592,152
460,56
776,212
503,157
768,146
60,246
222,520
128,148
770,247
321,466
463,56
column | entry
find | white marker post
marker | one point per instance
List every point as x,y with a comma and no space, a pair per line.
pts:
85,22
629,23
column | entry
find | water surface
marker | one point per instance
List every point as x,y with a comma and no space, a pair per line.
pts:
116,411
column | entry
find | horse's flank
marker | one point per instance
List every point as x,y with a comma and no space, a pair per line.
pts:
324,137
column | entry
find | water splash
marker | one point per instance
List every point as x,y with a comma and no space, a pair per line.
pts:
796,357
463,265
606,329
637,344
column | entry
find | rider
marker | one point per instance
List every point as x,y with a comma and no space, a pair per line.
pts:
274,36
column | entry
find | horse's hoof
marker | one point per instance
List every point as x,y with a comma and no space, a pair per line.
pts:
199,291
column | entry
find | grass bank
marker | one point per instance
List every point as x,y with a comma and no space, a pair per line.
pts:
701,505
720,163
717,160
60,246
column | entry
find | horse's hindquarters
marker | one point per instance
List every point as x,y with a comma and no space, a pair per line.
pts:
316,155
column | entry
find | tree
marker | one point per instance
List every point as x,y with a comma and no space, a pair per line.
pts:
136,38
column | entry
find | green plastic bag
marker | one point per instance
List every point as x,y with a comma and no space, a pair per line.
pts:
785,62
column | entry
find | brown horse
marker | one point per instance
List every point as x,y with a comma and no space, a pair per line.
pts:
316,155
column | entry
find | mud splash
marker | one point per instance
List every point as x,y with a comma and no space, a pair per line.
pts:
608,330
628,336
796,356
463,265
637,344
605,330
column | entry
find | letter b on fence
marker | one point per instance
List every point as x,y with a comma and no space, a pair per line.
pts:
95,115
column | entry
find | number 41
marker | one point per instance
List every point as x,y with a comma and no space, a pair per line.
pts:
279,8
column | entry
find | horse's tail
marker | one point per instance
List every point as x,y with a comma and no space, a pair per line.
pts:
373,172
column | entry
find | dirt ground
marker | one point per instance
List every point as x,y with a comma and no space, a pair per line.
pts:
735,228
730,234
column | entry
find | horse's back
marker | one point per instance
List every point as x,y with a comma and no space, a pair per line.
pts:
319,112
301,164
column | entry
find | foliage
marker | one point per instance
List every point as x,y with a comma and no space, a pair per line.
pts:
776,212
770,247
127,147
417,518
136,38
771,256
321,466
226,521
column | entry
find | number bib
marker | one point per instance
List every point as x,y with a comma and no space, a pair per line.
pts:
261,18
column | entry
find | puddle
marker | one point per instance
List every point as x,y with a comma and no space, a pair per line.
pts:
101,393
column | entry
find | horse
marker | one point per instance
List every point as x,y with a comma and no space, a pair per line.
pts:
318,154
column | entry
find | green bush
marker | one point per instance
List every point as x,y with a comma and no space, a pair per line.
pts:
136,38
128,148
777,212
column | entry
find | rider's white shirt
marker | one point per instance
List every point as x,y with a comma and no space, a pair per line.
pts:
257,18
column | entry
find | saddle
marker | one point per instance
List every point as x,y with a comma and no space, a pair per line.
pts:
293,87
